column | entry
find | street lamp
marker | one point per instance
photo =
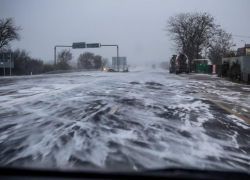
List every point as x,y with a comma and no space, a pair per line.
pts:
244,42
206,46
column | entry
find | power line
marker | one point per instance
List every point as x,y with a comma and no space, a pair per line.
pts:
241,36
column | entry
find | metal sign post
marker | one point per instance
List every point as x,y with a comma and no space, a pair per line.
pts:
84,45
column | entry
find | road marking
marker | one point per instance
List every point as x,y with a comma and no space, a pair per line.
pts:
229,110
221,105
217,103
113,110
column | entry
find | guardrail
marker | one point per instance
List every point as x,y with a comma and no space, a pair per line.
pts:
70,71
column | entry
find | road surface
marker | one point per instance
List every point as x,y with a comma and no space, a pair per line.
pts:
69,121
233,95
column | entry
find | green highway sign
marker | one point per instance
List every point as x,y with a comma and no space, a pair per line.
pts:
6,60
79,45
6,64
93,45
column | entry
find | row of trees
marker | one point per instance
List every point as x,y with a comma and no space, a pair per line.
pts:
86,60
191,32
24,64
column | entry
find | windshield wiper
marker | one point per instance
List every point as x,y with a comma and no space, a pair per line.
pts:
200,174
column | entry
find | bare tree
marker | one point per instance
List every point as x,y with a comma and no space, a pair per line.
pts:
220,46
98,61
85,60
24,64
89,60
105,62
189,31
63,59
8,32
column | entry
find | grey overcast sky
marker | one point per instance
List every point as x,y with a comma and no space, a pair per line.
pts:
135,25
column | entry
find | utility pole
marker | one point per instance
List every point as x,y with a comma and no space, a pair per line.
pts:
244,42
206,47
55,57
3,65
10,64
118,62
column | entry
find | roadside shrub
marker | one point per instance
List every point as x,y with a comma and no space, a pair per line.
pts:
234,71
48,68
224,69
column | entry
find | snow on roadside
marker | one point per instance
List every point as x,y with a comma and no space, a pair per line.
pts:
222,90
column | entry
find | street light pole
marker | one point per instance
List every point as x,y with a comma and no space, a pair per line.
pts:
244,42
3,65
55,57
118,62
206,47
10,64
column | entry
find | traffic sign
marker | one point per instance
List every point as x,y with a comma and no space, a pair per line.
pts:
93,45
79,45
6,60
6,64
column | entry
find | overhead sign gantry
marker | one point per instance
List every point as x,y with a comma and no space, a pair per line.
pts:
79,45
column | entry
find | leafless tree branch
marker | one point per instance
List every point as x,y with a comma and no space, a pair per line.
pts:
8,32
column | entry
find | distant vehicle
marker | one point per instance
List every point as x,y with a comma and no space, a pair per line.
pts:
125,70
172,64
153,66
113,70
181,64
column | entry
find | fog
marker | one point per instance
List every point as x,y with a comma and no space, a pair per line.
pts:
136,26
